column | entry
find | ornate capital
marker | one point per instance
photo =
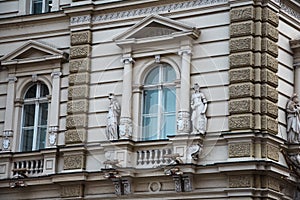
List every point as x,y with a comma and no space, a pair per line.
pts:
56,74
127,60
11,79
185,51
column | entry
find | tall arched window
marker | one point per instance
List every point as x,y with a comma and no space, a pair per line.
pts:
35,117
159,103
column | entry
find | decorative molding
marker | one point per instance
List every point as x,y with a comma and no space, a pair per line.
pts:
83,19
125,128
240,181
289,10
183,122
11,79
72,191
73,162
127,60
81,38
53,130
154,186
144,11
56,74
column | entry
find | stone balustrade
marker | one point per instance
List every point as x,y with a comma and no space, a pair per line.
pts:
32,167
153,157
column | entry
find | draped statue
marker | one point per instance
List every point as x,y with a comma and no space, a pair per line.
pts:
199,106
293,119
113,118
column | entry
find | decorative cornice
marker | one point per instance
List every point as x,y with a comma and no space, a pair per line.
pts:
289,10
166,8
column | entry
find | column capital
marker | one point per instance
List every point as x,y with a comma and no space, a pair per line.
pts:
185,51
12,79
127,60
56,74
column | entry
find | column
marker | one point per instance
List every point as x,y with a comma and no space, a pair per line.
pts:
125,119
54,109
9,113
184,112
297,78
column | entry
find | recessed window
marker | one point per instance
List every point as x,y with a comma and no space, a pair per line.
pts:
40,6
35,118
159,103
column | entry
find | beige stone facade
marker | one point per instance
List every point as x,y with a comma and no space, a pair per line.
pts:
243,54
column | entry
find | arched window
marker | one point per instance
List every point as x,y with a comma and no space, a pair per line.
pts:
35,117
159,103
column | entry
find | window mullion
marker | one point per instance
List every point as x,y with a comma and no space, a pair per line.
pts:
36,118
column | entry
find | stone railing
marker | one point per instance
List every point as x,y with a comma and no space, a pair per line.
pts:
153,156
32,167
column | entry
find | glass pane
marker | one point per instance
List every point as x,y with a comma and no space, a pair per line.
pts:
150,101
44,90
41,140
28,115
169,74
169,100
153,77
149,128
27,138
37,6
168,126
31,93
43,114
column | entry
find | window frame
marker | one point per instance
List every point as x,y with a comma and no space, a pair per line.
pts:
45,6
159,87
37,101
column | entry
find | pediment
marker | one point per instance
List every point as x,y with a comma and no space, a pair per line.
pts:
32,51
156,27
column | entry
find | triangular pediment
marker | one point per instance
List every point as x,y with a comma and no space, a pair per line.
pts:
156,27
32,51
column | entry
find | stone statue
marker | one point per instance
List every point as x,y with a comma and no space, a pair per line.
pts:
293,119
199,106
113,118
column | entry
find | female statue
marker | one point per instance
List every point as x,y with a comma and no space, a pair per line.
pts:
293,119
199,106
112,118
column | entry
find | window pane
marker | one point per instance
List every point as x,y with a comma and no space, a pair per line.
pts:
43,114
31,93
150,101
169,74
169,99
168,125
44,90
27,138
149,128
37,6
28,114
153,77
41,140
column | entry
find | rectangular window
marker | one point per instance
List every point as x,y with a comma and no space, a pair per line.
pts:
40,6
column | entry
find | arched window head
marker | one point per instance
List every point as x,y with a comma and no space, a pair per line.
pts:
35,117
159,103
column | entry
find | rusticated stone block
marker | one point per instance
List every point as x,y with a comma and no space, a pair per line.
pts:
76,121
240,150
82,51
273,184
272,152
242,29
241,90
241,75
238,60
270,62
74,162
78,92
78,79
241,44
269,108
72,191
269,124
78,38
241,106
270,31
270,47
242,14
269,77
270,16
75,136
240,181
79,65
77,106
269,92
238,122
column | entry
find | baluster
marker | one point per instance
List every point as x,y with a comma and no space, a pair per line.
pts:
164,159
34,167
143,157
155,158
150,156
139,160
42,166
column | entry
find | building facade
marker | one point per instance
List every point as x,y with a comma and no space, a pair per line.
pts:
147,99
